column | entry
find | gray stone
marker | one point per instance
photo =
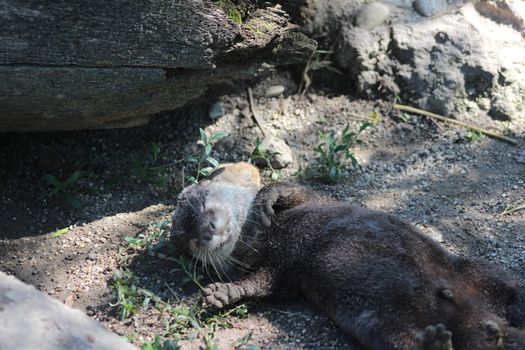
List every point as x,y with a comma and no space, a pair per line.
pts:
372,15
216,110
430,8
274,91
30,319
435,64
226,144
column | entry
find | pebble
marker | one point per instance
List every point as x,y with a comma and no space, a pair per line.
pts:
372,16
216,110
274,91
430,8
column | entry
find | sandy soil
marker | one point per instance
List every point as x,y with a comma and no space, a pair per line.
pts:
434,175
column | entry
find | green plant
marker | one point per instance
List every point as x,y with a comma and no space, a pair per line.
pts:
405,117
149,170
474,135
189,271
334,153
182,318
69,188
129,296
206,142
210,342
230,9
243,343
60,232
220,320
153,239
261,155
320,59
158,345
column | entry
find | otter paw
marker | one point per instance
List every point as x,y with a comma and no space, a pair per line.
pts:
265,204
434,338
221,294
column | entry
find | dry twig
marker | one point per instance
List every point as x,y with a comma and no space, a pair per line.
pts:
254,114
510,209
454,121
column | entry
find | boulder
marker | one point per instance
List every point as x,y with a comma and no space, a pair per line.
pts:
442,56
29,319
79,64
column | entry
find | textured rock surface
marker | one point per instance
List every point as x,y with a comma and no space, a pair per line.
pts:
29,319
96,64
470,59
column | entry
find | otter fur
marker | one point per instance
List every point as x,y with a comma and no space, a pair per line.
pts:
379,279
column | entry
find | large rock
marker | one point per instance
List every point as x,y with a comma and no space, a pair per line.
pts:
455,62
30,319
91,64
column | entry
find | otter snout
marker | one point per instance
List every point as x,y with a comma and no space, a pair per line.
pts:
206,233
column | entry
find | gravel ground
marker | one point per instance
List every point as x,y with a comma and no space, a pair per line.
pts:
434,175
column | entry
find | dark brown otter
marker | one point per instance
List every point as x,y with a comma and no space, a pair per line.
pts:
377,277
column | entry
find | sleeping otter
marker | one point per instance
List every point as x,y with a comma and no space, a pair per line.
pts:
378,278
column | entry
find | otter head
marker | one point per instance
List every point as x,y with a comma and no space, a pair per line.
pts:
208,221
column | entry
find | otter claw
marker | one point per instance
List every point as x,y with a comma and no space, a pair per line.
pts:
435,338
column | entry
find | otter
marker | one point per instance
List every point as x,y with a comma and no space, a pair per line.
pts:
377,277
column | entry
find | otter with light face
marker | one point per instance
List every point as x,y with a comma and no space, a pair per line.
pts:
379,279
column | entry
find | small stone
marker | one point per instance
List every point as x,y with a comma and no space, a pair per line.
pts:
274,91
372,16
92,256
430,8
226,144
283,155
216,110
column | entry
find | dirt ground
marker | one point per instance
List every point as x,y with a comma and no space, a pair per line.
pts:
439,177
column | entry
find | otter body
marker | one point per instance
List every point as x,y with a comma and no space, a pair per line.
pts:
375,276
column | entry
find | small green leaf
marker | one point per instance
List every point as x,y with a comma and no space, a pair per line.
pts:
340,148
204,136
73,178
218,136
52,180
364,126
191,179
191,159
60,232
332,173
213,161
206,171
207,149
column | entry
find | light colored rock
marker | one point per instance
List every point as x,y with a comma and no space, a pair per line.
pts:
430,8
274,91
372,16
30,319
437,64
283,153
